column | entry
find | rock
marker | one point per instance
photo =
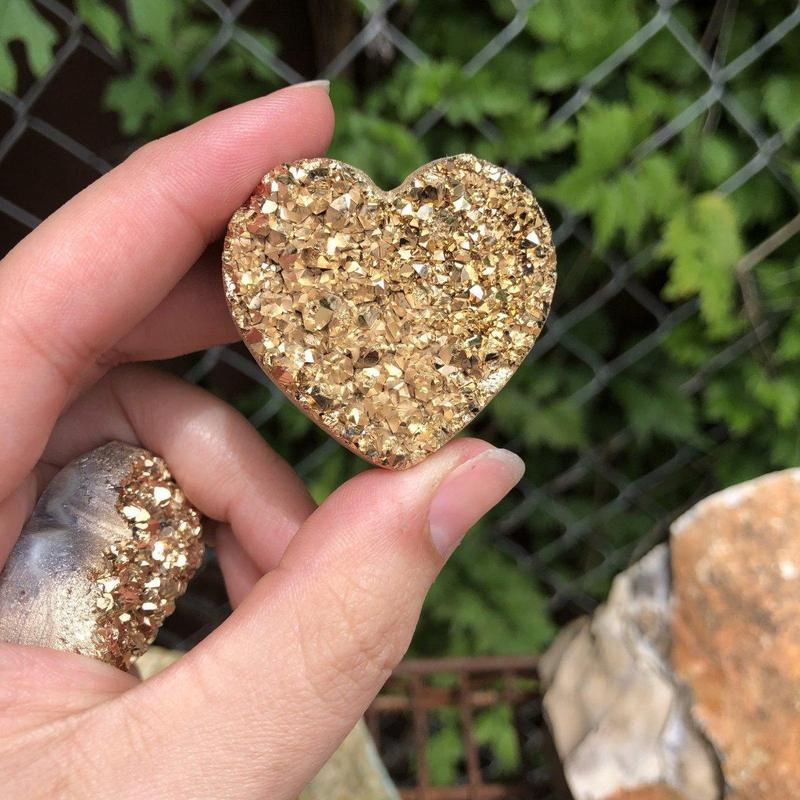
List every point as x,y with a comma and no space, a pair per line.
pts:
618,719
154,661
657,792
390,318
684,683
736,637
354,772
110,545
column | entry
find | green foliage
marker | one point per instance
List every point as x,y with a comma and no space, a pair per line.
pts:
657,407
134,98
163,42
476,583
655,215
103,22
493,729
525,134
445,750
537,406
782,102
153,20
619,200
573,37
789,345
19,21
382,147
702,238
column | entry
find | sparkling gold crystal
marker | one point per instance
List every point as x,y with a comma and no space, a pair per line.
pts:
111,544
139,577
390,318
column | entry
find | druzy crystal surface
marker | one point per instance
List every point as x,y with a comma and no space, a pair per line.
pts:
110,546
390,318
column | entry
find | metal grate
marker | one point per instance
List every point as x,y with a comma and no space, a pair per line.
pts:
419,689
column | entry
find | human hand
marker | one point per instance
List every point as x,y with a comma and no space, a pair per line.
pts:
325,600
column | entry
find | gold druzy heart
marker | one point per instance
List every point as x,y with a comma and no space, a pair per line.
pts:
390,318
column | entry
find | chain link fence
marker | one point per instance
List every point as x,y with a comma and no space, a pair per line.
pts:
29,131
46,154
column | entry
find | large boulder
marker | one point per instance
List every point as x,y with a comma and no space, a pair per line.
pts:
619,720
688,679
736,630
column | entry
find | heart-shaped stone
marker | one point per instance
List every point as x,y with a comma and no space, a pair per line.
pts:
390,318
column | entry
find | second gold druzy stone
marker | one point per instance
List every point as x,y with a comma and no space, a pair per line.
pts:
390,318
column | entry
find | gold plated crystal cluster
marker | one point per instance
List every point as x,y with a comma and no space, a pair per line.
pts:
390,318
140,576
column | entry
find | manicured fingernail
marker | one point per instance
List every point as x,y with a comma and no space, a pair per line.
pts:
468,492
320,84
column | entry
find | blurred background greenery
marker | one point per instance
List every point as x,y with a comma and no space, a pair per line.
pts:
662,140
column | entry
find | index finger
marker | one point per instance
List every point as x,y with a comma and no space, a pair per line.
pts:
99,265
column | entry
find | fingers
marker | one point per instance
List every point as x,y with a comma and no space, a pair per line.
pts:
96,268
17,507
14,510
227,471
240,571
193,316
38,685
43,696
222,464
275,690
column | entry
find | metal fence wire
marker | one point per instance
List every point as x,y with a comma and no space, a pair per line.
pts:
49,150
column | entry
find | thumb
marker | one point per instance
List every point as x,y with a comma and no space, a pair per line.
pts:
289,674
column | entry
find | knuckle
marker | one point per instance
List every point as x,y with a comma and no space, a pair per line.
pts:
62,356
355,647
144,155
112,358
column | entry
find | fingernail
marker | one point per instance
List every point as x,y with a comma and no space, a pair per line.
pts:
319,84
468,492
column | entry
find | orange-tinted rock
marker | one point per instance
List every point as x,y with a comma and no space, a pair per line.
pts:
736,630
618,719
654,792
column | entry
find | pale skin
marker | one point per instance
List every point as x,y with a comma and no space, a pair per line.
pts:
326,599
